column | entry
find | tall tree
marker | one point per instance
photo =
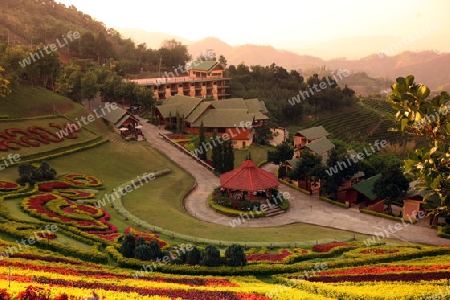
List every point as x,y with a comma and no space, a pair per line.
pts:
391,185
202,142
283,152
216,157
228,156
89,86
235,256
128,245
330,182
211,257
5,87
427,118
174,54
308,165
223,61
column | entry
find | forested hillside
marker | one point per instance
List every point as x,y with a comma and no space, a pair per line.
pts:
289,97
32,24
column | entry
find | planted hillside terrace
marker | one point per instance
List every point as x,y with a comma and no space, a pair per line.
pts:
361,125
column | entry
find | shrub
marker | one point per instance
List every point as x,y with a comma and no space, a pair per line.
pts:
235,256
155,250
211,257
4,294
34,293
128,246
194,256
140,242
142,252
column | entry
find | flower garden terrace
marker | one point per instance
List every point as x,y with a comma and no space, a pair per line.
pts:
67,202
67,263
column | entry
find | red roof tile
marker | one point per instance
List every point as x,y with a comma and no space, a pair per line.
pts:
248,177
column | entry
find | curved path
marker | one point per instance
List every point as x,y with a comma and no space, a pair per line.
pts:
304,208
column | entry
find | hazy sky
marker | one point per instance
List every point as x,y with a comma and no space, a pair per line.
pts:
282,23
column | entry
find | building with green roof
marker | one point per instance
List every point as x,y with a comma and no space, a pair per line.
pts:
200,79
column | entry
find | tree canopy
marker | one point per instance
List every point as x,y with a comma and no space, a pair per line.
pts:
428,118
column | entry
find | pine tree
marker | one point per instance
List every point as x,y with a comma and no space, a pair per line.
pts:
235,256
201,142
194,256
217,155
154,250
128,245
211,257
228,156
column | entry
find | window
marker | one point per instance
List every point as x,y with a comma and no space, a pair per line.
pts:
221,130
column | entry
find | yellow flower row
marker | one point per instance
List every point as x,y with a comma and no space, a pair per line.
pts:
377,290
246,285
16,287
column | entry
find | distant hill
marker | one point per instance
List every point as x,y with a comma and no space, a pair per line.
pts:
152,39
220,47
427,66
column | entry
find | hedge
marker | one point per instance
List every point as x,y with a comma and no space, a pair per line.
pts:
337,203
93,255
27,191
294,187
332,253
366,211
233,212
441,233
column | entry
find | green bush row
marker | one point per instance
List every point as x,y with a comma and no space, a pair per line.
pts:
332,253
441,232
83,237
294,187
37,157
337,203
366,211
232,212
92,255
27,191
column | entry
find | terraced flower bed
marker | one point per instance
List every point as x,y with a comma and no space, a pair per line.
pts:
39,137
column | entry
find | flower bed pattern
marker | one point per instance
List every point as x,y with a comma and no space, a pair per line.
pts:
6,186
327,247
269,257
378,251
82,181
147,236
52,207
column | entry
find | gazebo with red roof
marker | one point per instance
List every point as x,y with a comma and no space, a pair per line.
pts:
248,177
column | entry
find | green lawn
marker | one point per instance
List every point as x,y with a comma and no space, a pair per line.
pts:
258,154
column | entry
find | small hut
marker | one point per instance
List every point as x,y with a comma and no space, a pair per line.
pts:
248,178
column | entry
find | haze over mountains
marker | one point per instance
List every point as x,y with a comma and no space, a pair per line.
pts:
429,66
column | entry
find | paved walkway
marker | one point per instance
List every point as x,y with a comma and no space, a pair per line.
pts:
304,208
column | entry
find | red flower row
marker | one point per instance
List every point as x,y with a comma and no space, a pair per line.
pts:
172,293
329,246
49,236
408,277
49,186
8,186
191,281
384,270
269,257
